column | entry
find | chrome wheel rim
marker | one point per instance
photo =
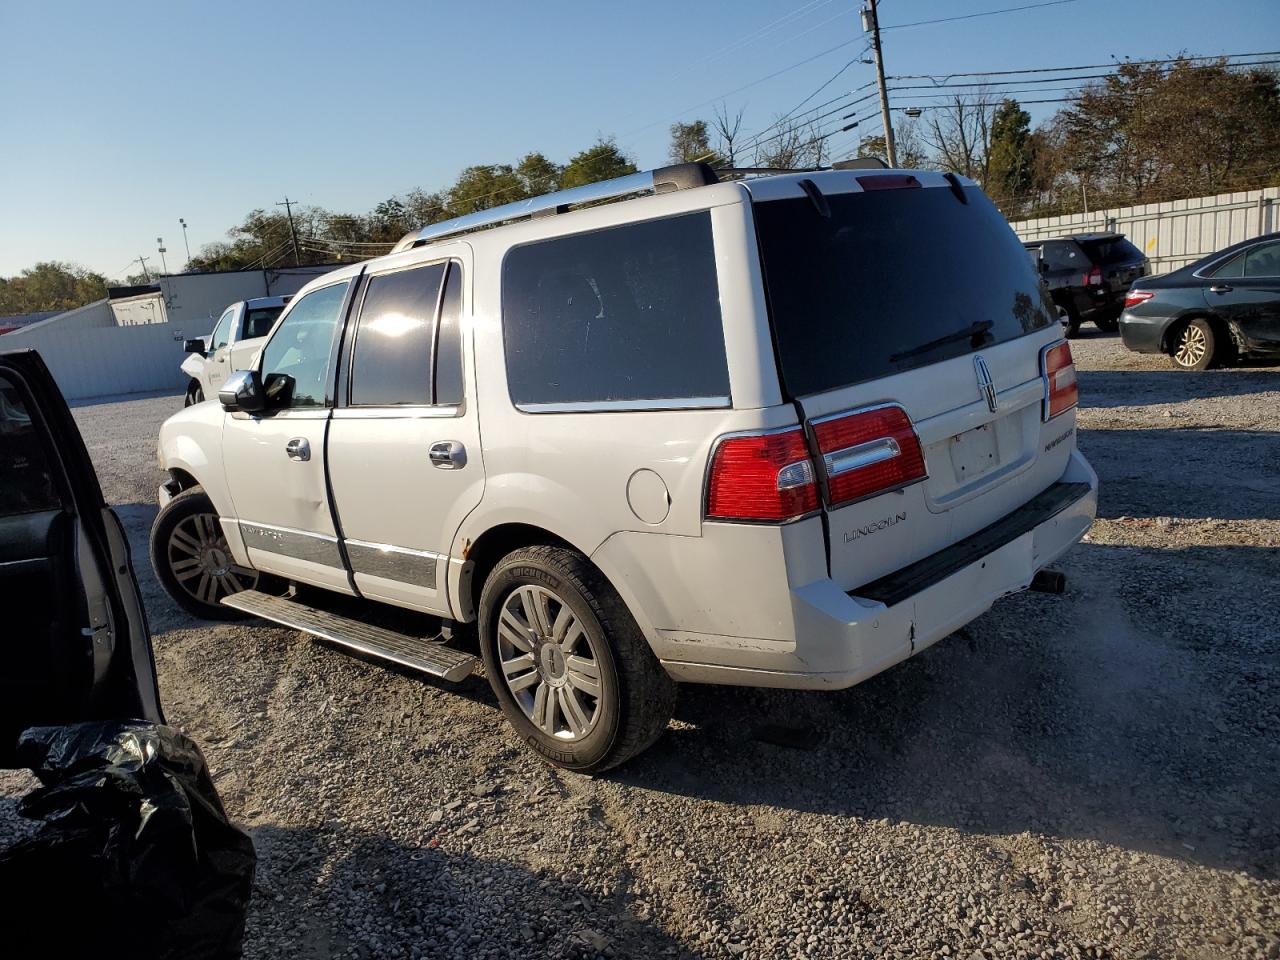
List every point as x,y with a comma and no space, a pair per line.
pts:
201,561
1192,346
549,662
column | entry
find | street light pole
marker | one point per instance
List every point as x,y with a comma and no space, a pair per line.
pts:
160,246
184,238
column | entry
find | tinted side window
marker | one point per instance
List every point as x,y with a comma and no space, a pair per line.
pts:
392,359
26,477
1263,261
295,361
448,379
1232,268
1063,255
625,313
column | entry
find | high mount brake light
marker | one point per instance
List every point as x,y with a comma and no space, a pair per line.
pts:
889,181
866,452
1135,297
765,476
1061,392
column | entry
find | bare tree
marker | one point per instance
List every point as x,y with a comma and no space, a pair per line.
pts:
726,129
793,145
959,134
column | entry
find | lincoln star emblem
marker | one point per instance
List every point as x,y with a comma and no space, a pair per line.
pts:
986,386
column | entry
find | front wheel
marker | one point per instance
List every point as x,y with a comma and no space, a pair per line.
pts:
569,666
192,560
1194,346
195,393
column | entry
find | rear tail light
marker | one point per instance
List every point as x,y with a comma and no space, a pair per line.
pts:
1135,297
1061,392
868,452
1093,278
765,476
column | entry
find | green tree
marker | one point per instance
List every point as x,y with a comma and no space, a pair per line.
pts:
537,174
1010,162
483,186
51,285
691,141
603,161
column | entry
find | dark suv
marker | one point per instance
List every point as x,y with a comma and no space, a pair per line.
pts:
1088,275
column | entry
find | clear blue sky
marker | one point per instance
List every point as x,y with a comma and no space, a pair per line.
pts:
119,118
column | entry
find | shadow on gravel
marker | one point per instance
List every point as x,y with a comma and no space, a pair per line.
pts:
1136,388
1185,473
1118,713
380,893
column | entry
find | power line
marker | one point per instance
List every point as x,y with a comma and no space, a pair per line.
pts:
1084,66
974,16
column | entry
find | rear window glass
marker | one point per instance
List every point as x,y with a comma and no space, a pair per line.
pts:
391,364
258,321
1113,250
892,280
631,313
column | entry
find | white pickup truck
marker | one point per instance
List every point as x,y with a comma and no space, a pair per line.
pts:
236,337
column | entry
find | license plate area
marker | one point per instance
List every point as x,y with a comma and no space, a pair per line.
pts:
974,453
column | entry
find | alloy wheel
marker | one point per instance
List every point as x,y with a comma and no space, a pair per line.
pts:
1191,346
549,662
201,560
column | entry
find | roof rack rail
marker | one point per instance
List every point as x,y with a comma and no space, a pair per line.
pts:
681,176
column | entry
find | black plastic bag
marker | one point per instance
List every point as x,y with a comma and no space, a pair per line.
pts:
135,856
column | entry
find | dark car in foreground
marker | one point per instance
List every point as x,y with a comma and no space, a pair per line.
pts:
1212,312
1087,275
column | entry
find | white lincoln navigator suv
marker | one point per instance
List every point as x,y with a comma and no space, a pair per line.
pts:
783,431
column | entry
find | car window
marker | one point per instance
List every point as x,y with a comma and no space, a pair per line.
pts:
448,373
1233,267
258,321
628,313
392,359
295,361
1111,251
26,474
1263,260
222,332
1063,255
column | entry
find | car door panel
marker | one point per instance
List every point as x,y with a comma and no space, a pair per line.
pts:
274,462
75,639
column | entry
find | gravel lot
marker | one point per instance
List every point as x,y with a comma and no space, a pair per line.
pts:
1094,775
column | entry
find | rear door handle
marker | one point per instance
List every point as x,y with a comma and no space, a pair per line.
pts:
298,449
1221,288
448,455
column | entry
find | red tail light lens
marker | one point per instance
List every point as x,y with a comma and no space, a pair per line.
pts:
868,452
762,477
1093,278
1061,391
1135,297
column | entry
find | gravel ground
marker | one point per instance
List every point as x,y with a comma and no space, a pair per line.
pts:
1093,775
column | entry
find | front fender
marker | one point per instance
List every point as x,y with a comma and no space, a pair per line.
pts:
193,366
191,441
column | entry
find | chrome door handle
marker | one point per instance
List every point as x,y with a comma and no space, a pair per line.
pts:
1220,288
298,449
448,455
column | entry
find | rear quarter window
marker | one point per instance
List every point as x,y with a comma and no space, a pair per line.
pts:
625,314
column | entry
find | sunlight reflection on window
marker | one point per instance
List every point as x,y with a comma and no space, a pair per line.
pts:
394,325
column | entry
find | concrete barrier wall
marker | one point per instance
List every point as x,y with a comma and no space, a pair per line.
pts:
1176,232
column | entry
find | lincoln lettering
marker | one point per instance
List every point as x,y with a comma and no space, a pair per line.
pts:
876,527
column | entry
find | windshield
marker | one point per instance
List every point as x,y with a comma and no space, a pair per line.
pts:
893,279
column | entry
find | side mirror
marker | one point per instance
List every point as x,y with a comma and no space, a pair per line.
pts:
242,390
194,346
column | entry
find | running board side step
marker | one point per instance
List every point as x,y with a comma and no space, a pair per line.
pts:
408,651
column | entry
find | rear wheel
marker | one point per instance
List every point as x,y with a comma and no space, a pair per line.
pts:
1194,345
570,667
192,560
195,393
1108,325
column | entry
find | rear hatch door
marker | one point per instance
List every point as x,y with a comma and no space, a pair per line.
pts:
915,296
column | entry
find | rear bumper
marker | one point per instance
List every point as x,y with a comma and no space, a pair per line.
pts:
844,638
1143,334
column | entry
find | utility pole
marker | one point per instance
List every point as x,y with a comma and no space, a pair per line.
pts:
871,24
143,261
184,238
293,233
160,246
